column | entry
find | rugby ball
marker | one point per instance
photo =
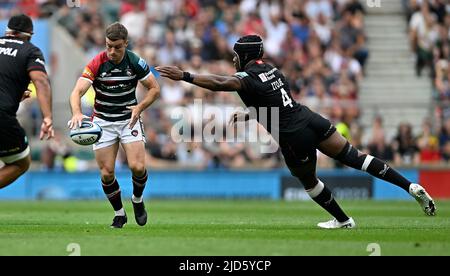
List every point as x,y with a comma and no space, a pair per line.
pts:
89,133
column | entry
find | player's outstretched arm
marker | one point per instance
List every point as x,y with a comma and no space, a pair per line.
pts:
80,89
211,82
153,92
44,95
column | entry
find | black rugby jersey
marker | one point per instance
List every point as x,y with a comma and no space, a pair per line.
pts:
264,86
17,59
115,84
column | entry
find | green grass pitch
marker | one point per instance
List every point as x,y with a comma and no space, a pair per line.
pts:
222,227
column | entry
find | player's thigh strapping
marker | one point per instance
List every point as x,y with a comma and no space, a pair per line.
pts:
13,141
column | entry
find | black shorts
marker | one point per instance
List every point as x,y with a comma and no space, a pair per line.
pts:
13,139
299,148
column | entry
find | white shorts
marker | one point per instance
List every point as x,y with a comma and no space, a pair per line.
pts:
119,131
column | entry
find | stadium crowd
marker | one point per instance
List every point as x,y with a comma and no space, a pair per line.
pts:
319,44
429,29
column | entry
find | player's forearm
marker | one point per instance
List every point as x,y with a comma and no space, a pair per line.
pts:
78,92
152,95
75,102
44,96
211,82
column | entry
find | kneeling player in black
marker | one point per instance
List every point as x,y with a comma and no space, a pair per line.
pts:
301,131
20,62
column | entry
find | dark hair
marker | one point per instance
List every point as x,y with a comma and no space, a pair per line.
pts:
21,23
248,48
116,31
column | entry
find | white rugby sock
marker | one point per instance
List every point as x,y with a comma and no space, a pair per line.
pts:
137,199
120,213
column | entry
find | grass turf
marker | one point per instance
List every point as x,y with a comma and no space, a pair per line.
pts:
222,227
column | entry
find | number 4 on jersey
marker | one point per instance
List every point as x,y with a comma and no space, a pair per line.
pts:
286,99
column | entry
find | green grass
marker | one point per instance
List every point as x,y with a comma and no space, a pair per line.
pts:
220,227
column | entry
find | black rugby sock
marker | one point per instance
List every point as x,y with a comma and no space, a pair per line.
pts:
322,196
112,192
139,184
381,170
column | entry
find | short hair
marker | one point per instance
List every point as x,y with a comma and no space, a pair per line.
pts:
116,31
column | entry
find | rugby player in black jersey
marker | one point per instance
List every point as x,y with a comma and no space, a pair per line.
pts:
20,63
301,131
114,74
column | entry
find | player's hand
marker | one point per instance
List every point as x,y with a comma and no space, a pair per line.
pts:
47,129
171,72
26,95
135,115
76,120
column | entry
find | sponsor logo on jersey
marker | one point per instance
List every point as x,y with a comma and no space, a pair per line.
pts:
263,77
241,75
129,72
8,52
143,63
117,70
267,76
87,72
104,74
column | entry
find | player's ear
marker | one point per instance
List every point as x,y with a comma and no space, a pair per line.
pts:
126,43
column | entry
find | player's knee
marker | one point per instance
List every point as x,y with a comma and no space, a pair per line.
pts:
354,158
307,177
107,174
137,169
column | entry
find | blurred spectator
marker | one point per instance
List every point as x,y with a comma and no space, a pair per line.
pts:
170,52
352,37
405,147
316,8
275,28
428,144
444,140
378,132
354,7
423,33
381,149
442,85
134,20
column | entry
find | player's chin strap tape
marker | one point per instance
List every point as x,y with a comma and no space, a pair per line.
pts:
349,156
